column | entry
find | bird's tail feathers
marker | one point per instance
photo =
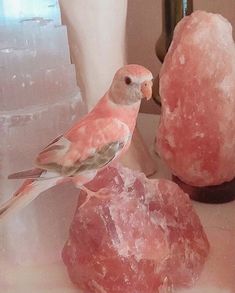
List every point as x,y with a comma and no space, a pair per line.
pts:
25,194
34,174
27,174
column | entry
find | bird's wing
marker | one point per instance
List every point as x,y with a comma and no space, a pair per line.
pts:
88,146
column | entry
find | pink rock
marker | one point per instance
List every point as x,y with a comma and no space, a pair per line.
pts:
143,236
196,136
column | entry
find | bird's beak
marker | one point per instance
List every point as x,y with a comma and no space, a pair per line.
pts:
146,89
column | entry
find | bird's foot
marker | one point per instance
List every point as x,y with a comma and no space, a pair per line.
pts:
101,194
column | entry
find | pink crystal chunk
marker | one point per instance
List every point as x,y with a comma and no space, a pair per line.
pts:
143,236
196,136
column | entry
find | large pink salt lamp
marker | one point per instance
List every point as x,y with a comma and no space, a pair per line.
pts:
143,236
196,137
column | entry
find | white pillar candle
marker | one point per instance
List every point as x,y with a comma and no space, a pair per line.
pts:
97,41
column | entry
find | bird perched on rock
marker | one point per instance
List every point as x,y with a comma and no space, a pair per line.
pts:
91,144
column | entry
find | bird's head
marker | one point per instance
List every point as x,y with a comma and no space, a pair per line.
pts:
131,83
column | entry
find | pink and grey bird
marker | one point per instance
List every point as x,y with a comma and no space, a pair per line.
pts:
91,144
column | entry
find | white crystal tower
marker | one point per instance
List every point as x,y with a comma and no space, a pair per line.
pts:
39,100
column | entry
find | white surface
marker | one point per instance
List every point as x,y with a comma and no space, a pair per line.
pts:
218,275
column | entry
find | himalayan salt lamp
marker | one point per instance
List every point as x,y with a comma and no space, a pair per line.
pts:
196,136
142,235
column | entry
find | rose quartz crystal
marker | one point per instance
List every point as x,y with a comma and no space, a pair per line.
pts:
143,236
196,136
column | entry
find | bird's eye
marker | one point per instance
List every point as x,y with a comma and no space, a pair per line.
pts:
128,80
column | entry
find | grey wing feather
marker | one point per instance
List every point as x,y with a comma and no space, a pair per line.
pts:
97,161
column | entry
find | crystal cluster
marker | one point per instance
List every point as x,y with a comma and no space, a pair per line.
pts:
197,87
39,100
142,236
